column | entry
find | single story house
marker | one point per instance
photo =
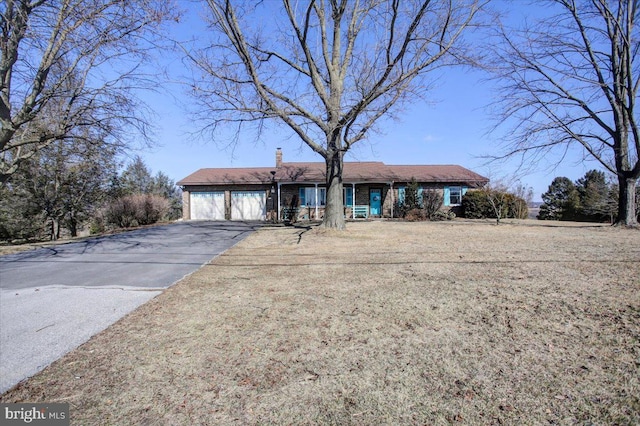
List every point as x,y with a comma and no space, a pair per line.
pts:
297,190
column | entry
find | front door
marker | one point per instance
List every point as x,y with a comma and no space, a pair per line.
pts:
375,201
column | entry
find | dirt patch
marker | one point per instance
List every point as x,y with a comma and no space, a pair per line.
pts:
386,323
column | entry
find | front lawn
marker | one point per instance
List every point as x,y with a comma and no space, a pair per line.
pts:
387,323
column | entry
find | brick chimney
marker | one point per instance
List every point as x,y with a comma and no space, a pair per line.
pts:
278,158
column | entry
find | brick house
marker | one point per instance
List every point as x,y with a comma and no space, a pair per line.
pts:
297,190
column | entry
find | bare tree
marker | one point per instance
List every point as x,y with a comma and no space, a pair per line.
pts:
497,196
573,79
76,62
327,69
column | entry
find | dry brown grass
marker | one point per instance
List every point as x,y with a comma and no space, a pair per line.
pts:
387,323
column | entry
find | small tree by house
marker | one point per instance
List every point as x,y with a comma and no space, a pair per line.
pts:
432,201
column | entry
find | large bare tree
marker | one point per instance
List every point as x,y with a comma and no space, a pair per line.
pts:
79,58
327,69
572,79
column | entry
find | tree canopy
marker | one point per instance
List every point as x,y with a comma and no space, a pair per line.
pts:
570,79
327,69
69,70
592,198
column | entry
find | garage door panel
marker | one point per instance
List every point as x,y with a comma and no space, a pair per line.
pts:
248,205
207,206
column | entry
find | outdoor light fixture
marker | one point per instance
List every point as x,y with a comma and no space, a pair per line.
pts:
273,181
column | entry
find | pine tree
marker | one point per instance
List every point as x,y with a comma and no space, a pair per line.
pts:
594,196
560,201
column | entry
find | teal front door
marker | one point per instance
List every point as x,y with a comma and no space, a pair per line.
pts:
375,201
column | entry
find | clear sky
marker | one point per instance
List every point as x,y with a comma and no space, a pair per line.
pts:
451,127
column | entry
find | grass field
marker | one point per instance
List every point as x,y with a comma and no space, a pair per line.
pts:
387,323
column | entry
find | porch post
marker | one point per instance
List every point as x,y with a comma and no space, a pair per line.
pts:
278,219
316,185
392,200
353,201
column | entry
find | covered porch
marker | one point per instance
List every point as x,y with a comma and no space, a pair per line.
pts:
361,200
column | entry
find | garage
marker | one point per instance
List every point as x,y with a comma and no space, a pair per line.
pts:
248,205
207,205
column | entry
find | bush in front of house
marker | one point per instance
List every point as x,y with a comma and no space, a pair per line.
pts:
475,205
432,200
136,210
415,215
442,215
422,205
490,203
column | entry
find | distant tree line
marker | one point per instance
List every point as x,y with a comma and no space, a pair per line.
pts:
592,198
73,186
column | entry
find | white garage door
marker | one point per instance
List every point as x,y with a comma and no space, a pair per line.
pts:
248,205
207,205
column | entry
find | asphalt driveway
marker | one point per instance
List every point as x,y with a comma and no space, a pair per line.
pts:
54,299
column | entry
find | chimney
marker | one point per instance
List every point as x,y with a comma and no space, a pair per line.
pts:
278,158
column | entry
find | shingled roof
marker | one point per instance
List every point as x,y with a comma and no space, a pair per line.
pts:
228,176
314,172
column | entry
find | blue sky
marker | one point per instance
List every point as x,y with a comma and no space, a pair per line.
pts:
450,127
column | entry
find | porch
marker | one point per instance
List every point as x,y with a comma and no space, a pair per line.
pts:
361,200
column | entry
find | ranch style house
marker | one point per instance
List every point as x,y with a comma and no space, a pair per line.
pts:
297,190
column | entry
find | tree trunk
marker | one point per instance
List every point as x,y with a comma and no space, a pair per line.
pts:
73,225
627,202
55,229
334,209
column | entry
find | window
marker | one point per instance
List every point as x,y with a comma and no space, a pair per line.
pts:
453,195
308,196
348,196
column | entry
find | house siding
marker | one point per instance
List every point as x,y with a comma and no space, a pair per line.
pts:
289,198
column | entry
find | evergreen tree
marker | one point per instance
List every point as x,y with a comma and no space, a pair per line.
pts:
594,196
137,178
412,198
561,201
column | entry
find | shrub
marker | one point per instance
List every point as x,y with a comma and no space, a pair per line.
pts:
441,215
431,202
420,204
415,215
97,224
492,203
475,205
400,209
136,210
517,207
21,219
